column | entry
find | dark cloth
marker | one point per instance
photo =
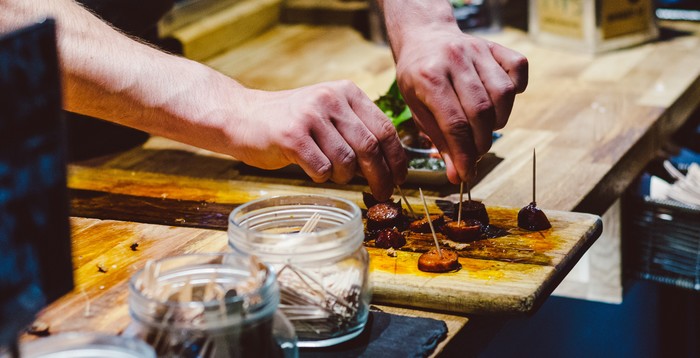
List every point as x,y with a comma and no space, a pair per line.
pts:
387,336
90,137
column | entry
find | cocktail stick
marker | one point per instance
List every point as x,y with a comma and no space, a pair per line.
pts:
459,211
406,201
430,222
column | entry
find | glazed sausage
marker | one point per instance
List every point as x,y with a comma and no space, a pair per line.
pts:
464,231
432,262
387,238
532,218
422,225
384,215
472,209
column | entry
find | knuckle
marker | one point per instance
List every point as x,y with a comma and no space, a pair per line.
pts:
322,171
507,90
456,51
325,94
386,131
431,74
483,109
346,85
296,130
369,147
347,158
520,62
328,99
458,128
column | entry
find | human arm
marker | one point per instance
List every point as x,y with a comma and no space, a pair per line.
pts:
459,87
331,129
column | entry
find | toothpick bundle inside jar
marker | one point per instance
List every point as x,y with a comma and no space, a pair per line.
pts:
209,305
314,243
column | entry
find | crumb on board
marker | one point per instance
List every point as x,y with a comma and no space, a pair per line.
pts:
134,246
391,252
102,268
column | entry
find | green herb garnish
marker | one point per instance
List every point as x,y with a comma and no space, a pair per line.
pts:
394,106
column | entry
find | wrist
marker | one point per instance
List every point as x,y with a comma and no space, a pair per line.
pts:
408,18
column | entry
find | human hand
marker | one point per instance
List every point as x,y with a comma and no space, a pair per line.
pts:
460,89
331,130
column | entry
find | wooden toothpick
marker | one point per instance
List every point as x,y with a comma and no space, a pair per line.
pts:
459,211
534,161
430,222
406,201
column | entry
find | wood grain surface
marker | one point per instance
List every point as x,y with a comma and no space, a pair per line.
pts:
594,120
509,274
107,253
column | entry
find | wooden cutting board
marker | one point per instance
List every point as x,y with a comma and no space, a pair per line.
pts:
510,274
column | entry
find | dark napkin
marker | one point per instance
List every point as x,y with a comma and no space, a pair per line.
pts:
387,335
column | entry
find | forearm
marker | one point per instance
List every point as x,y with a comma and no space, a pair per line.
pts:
108,75
405,16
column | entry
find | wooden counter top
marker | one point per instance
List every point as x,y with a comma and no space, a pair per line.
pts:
595,121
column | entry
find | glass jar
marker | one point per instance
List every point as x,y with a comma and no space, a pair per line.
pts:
209,305
323,273
78,345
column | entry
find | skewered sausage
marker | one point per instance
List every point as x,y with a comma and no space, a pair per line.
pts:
369,200
532,218
464,231
431,261
385,215
422,225
472,209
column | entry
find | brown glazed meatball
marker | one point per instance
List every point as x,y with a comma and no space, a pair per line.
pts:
387,238
532,218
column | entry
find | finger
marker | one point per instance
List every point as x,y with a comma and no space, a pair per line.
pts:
477,106
499,89
337,150
514,63
381,127
442,101
371,161
428,124
306,153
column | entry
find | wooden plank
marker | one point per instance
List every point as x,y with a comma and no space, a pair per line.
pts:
328,12
509,274
601,118
595,120
99,302
500,275
226,28
290,56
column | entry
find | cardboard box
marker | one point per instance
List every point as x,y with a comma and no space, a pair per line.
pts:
592,25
